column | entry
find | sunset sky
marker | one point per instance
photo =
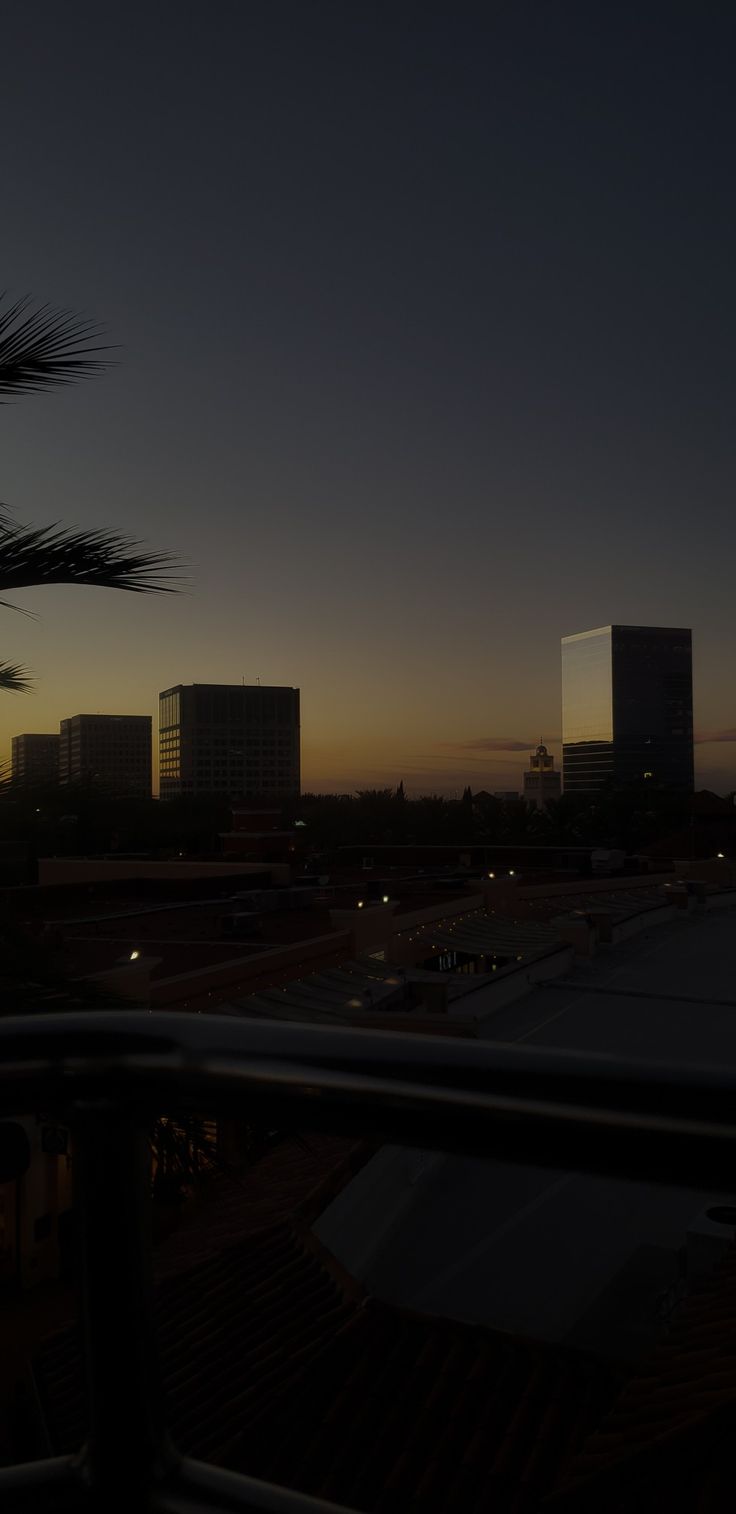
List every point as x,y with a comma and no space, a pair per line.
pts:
427,317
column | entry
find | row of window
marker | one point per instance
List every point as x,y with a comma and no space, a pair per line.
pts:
236,772
225,743
276,786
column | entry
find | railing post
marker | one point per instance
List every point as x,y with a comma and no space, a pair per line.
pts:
127,1450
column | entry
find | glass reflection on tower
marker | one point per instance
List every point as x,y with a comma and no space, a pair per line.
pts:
627,707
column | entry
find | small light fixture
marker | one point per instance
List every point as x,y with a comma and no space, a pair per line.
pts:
491,875
385,898
511,872
360,904
135,954
720,856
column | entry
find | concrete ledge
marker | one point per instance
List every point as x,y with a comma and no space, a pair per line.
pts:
506,891
249,969
60,870
494,993
642,920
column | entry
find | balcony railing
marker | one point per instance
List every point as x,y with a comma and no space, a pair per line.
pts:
110,1073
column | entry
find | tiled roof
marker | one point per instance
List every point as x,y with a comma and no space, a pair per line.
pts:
621,903
402,1412
671,1418
489,934
334,994
295,1180
233,1331
337,994
275,1363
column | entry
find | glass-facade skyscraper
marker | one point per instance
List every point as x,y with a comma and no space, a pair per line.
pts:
627,707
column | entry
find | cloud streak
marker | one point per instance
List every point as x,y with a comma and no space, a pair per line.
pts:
493,744
705,738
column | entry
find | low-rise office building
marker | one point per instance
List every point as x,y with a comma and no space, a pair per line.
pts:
35,759
111,752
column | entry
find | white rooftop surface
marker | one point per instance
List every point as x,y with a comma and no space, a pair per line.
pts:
539,1252
668,995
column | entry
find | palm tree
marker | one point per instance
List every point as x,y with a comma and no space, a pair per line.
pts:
44,348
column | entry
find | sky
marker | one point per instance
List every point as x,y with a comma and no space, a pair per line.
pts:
426,318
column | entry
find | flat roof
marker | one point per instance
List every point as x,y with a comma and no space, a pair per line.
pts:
231,686
619,626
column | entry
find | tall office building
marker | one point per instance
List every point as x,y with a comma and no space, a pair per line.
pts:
542,781
35,759
112,752
627,707
232,739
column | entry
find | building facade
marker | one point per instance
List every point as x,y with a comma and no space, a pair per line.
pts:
35,759
627,708
111,752
230,739
542,781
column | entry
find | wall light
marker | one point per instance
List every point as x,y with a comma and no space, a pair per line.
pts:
385,898
360,904
134,956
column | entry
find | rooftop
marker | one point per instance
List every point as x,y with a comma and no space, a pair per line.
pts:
664,995
278,1363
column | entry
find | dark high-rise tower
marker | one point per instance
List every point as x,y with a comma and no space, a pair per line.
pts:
230,739
627,707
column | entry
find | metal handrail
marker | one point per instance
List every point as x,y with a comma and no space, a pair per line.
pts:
109,1072
590,1112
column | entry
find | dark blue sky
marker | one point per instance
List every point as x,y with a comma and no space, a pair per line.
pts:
427,317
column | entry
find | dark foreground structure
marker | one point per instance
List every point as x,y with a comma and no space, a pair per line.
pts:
329,1398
